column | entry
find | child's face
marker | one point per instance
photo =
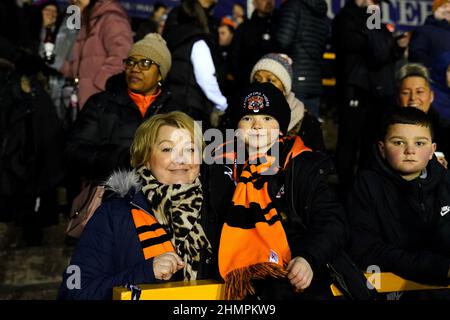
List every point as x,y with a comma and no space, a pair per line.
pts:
407,148
225,36
259,132
263,76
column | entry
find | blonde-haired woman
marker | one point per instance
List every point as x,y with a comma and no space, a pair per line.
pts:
154,225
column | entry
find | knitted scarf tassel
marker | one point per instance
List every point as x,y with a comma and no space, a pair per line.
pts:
238,282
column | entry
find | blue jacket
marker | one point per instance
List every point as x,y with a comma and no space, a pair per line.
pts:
109,253
428,41
441,90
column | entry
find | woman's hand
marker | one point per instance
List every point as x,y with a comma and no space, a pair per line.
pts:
300,273
441,159
166,264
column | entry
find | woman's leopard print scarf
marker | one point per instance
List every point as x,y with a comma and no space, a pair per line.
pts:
177,208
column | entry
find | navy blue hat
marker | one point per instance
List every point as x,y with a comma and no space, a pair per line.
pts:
262,98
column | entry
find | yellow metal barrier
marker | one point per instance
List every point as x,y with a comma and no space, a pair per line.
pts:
329,56
214,290
389,282
177,290
329,82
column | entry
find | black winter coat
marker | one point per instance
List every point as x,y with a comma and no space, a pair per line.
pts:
32,145
311,133
316,204
365,59
101,138
402,226
253,39
305,192
302,33
20,36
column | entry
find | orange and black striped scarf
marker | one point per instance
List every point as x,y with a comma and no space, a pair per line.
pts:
175,223
253,243
152,236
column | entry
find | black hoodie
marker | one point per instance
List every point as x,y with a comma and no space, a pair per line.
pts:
402,226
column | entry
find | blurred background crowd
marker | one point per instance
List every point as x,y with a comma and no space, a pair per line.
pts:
344,75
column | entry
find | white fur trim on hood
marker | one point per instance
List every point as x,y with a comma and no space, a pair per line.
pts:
121,182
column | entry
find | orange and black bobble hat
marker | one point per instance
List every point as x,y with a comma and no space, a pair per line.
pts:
438,3
262,98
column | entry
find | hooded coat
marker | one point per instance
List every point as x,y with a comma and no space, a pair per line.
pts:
109,253
98,55
402,226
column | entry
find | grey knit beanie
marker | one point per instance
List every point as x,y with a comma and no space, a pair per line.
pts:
280,65
154,47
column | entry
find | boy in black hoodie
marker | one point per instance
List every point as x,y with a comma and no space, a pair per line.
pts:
400,207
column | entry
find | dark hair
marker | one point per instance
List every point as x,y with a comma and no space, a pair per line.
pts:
192,12
239,5
230,28
44,4
87,12
158,5
405,115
